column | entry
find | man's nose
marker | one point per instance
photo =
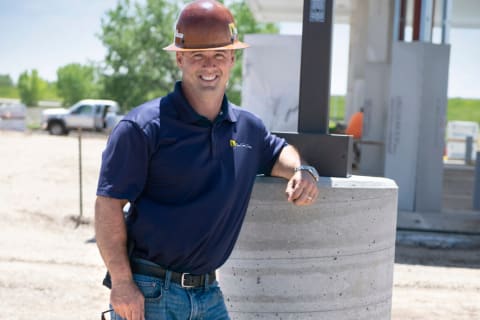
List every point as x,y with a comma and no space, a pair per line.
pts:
209,62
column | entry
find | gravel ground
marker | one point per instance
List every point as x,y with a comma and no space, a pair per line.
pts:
50,270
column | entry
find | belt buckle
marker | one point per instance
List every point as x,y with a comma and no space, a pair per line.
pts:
182,279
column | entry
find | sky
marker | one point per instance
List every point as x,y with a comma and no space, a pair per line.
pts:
48,34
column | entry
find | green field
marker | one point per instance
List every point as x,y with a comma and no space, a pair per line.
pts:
9,92
463,109
457,109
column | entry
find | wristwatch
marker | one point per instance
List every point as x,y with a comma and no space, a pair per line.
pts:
310,170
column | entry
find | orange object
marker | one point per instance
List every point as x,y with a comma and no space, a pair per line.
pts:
355,125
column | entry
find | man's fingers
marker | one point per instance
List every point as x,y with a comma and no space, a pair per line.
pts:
306,194
290,189
131,312
294,190
302,189
138,314
127,301
305,198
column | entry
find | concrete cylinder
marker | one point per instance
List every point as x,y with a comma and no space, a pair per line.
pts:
332,260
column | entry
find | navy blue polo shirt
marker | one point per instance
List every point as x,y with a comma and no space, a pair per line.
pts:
190,179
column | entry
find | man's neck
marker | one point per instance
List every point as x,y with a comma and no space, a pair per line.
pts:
207,104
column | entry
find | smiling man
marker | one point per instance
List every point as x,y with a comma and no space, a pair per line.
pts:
186,163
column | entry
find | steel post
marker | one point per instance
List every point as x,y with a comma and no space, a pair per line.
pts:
476,188
331,155
468,150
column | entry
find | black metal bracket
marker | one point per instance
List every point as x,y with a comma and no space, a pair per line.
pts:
331,155
328,153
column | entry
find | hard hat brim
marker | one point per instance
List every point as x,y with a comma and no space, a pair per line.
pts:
236,45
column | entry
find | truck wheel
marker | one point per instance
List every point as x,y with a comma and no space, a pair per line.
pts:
56,129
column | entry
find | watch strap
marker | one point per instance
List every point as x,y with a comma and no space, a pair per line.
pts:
310,170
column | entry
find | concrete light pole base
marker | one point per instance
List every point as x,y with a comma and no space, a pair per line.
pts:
332,260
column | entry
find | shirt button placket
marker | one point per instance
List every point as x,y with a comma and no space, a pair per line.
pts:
213,140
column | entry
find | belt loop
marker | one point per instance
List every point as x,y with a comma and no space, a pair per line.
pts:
206,281
168,275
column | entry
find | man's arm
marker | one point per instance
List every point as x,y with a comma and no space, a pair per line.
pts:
302,188
111,236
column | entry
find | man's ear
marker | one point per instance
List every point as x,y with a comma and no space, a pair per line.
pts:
179,58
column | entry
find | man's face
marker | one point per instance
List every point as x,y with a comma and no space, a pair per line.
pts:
206,70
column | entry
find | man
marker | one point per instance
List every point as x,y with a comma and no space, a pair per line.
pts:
355,125
355,129
187,163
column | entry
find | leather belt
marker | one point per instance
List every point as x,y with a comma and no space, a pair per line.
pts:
186,280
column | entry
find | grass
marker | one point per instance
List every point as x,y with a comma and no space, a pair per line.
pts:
50,93
463,109
337,108
9,92
457,109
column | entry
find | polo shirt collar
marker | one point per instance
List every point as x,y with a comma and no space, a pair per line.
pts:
187,114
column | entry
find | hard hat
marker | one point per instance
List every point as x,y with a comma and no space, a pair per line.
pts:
205,25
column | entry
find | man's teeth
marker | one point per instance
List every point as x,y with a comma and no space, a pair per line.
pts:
208,78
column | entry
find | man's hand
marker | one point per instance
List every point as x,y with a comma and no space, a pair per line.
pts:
127,300
302,189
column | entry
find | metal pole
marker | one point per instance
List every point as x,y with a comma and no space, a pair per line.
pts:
80,177
403,20
314,100
313,114
426,21
399,20
417,16
396,21
445,21
432,25
476,188
468,150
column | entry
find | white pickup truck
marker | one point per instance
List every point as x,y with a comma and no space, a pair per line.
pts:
90,114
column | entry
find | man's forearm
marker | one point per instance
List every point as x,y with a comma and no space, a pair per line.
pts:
111,236
287,161
302,186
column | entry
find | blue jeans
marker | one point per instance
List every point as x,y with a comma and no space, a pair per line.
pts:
166,300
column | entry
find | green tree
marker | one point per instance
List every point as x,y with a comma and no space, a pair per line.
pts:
31,87
136,68
5,80
7,88
75,82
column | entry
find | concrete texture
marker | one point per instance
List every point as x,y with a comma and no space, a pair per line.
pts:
458,186
331,260
416,121
466,222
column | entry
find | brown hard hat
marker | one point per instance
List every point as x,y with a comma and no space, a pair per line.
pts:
205,25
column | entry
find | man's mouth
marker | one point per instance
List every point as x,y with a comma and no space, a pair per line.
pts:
208,78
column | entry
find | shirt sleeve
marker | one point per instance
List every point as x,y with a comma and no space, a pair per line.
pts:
124,166
272,146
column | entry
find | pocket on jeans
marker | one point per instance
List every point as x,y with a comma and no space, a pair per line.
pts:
152,288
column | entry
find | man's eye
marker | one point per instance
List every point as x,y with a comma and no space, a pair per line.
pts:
219,57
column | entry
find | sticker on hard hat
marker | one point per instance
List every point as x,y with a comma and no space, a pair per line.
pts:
233,29
178,34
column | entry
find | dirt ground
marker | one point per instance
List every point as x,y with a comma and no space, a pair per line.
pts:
50,270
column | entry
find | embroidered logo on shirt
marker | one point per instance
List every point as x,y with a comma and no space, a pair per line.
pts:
235,144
